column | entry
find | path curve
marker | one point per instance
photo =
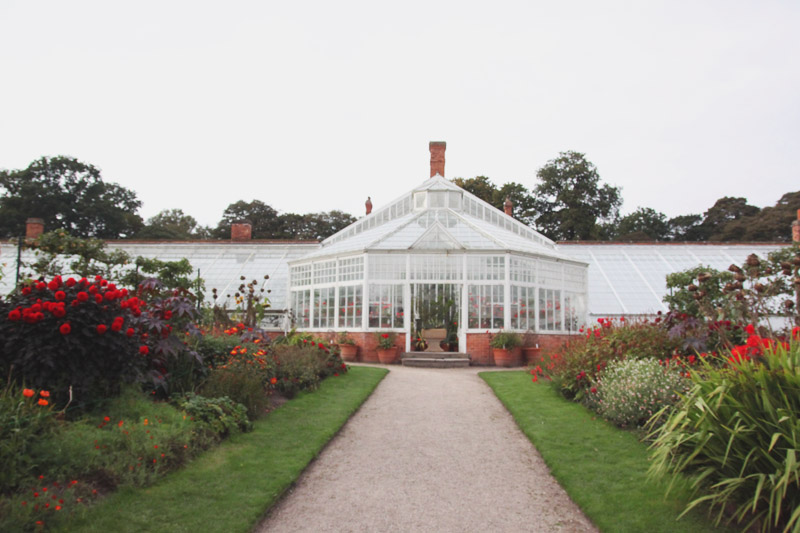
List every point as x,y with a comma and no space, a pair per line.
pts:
430,450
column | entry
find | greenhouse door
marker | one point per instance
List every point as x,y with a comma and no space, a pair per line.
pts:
435,309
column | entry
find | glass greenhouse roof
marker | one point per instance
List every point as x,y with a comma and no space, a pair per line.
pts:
630,279
437,215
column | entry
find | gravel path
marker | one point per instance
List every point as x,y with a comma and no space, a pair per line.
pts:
430,450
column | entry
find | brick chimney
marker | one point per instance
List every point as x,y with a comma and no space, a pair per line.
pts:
796,228
368,205
437,157
33,228
508,207
241,231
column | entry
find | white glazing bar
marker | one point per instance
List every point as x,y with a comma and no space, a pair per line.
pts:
365,296
507,292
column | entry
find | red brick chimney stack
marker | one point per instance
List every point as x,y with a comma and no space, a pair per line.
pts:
796,228
368,205
241,231
508,207
437,157
33,228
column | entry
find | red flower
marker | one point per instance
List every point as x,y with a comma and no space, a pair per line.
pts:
98,298
14,315
385,335
144,350
28,393
130,332
594,390
58,310
167,314
107,418
82,296
273,381
751,329
101,329
65,328
60,295
53,285
45,394
43,402
71,282
26,291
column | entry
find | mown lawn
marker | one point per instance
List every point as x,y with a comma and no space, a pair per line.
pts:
602,468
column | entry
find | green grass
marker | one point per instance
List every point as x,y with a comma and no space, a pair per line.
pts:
231,487
602,468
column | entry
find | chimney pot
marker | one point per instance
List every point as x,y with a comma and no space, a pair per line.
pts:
241,231
33,228
437,149
508,207
368,205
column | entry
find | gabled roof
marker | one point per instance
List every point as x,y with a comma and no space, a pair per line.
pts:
440,215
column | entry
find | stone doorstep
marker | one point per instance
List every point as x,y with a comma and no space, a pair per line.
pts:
435,359
434,355
437,363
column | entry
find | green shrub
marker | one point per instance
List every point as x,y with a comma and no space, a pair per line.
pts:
242,385
23,421
631,391
221,416
737,432
67,333
576,368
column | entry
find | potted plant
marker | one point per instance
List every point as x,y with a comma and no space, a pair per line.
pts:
387,351
530,348
347,347
505,346
419,344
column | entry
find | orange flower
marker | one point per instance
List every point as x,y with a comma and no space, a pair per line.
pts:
43,402
44,394
28,393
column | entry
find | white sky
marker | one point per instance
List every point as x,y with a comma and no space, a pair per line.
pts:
314,105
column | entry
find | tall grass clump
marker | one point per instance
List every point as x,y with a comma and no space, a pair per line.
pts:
737,433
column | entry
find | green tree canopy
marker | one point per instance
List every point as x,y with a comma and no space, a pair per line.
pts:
521,198
266,223
644,224
263,219
172,224
686,228
724,211
570,203
67,194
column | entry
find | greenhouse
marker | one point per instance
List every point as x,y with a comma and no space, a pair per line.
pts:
438,259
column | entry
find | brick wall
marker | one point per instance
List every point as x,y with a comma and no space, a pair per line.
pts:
480,351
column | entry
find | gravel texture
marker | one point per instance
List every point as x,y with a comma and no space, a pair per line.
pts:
430,450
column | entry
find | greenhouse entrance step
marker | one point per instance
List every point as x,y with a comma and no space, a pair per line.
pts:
435,359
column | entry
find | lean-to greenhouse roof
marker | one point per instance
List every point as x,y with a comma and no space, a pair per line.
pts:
630,279
437,215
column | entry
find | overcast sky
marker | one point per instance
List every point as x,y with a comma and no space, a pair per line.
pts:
312,106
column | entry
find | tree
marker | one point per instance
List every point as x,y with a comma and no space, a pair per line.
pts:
643,224
724,211
521,199
172,224
262,218
769,224
570,203
67,194
685,228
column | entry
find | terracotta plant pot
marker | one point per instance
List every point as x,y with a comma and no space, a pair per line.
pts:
506,358
387,357
349,352
532,355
